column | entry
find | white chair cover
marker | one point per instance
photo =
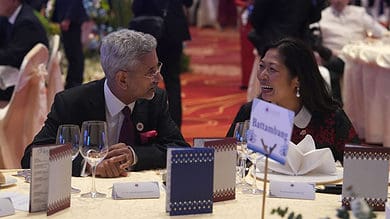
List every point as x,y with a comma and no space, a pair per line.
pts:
55,82
26,112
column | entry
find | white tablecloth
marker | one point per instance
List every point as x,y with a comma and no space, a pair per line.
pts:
244,206
366,89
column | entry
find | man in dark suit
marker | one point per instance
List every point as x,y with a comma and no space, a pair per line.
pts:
273,20
170,46
70,14
132,72
20,30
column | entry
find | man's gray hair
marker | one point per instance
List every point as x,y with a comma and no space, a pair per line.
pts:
120,50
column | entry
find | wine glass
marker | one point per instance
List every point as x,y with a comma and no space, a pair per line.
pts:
240,134
94,148
253,157
69,134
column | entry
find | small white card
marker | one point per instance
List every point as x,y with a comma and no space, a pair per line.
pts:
134,190
270,130
6,207
296,190
20,201
387,210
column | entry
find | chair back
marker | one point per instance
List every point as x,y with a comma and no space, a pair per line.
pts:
26,112
54,81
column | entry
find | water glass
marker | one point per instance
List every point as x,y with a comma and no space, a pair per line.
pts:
94,148
242,153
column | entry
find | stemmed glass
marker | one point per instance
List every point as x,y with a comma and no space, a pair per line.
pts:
253,157
94,148
240,134
69,134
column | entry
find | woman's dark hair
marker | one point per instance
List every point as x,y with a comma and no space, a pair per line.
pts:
300,61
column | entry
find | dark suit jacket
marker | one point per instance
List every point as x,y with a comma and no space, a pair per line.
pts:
176,27
86,102
26,32
276,19
69,9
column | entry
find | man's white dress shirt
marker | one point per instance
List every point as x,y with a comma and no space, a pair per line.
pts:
350,25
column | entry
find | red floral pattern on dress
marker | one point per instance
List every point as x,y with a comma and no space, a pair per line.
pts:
333,130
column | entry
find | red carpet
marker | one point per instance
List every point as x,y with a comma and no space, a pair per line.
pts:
211,94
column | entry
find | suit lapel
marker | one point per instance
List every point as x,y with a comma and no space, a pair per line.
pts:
96,102
140,115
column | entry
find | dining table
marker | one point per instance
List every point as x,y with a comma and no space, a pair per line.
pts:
366,88
243,206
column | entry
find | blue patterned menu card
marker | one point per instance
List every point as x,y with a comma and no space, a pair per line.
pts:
189,183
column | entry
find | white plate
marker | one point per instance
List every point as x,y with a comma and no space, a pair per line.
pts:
310,178
9,181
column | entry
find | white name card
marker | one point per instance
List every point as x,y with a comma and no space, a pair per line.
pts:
296,190
6,207
133,190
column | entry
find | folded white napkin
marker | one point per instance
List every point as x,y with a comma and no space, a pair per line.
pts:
304,158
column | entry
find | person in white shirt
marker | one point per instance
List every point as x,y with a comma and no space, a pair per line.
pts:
342,23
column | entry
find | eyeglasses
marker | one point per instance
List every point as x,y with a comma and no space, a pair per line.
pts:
153,72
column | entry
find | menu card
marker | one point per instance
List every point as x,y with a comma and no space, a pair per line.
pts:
366,175
189,181
51,172
225,156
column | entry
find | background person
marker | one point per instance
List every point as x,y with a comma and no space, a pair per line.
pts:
71,14
170,46
342,24
20,30
273,20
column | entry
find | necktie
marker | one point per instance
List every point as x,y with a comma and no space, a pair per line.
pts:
126,134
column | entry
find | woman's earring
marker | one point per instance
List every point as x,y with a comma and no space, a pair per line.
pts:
298,94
